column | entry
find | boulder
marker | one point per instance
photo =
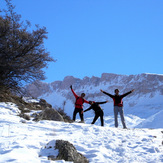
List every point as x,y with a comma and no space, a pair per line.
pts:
49,114
68,152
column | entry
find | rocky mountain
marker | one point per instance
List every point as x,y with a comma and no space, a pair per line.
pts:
146,100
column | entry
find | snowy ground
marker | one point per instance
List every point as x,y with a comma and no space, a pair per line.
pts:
24,141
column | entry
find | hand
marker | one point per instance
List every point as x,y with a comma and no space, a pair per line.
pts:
82,112
71,86
107,101
101,90
133,90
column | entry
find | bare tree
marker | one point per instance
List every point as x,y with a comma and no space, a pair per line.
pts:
22,52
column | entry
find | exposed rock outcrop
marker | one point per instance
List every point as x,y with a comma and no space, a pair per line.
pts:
68,152
142,83
48,114
62,150
147,86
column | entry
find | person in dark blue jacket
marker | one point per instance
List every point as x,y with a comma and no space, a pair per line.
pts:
98,111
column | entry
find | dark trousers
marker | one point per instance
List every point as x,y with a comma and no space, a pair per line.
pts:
80,111
98,114
120,110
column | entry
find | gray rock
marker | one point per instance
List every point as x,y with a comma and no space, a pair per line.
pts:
49,114
68,152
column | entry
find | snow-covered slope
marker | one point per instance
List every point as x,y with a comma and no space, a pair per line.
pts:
144,102
154,121
25,141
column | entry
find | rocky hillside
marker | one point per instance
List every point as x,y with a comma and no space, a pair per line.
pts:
148,92
142,83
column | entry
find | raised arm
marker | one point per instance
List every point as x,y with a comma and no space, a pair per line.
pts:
107,93
88,109
102,102
127,93
76,96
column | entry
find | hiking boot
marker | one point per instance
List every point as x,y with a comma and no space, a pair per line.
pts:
81,122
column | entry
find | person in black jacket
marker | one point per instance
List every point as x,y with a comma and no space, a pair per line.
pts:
98,111
118,105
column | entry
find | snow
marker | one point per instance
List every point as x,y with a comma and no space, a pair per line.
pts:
152,121
55,98
30,99
153,74
138,103
28,141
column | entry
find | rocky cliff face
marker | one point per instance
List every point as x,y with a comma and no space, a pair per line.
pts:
148,92
142,83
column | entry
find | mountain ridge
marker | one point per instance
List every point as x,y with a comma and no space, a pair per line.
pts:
114,80
144,102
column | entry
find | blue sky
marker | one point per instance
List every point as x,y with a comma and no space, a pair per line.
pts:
91,37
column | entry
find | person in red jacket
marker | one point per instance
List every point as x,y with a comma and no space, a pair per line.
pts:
79,105
118,105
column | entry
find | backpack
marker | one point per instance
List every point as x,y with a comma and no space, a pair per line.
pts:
77,100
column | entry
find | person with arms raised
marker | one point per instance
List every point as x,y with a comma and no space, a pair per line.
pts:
79,105
118,105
